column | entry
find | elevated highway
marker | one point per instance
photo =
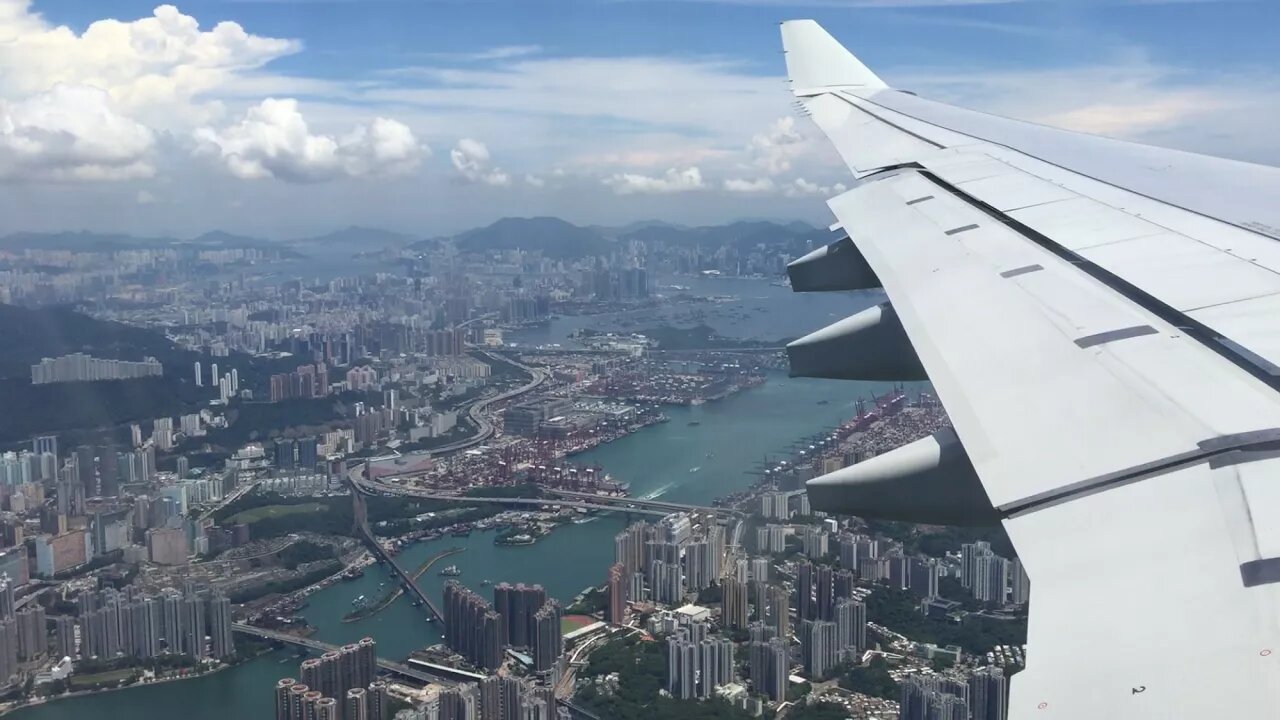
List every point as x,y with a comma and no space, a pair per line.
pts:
320,647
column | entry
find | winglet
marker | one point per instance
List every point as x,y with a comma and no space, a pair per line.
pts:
815,59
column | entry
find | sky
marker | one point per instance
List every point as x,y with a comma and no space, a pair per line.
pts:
287,118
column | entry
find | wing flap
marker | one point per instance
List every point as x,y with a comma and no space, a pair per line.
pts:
1138,606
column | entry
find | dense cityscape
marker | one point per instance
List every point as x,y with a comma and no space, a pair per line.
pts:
263,437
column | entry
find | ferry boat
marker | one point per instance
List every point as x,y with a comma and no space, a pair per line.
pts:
695,469
451,571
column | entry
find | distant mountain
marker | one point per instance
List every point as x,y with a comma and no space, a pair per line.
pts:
743,234
109,242
220,237
358,238
610,231
551,236
81,241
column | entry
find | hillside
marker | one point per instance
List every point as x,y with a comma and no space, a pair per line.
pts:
32,334
742,234
551,236
356,239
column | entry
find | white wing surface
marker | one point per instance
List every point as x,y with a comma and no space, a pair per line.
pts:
1101,321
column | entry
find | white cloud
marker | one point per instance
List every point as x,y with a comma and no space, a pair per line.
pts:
471,159
535,181
760,185
71,132
672,181
273,140
800,187
145,197
152,68
773,149
501,52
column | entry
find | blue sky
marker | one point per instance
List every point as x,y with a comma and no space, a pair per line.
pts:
296,116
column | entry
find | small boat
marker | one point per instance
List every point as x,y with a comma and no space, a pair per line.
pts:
823,402
695,469
694,423
486,583
451,571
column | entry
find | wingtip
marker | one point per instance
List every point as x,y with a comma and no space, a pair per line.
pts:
815,59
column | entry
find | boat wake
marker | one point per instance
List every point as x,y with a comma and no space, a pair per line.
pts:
655,494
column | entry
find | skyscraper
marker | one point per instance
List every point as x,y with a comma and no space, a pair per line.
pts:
805,607
933,698
548,637
617,588
357,705
769,668
988,699
851,627
819,647
925,574
284,699
1019,583
779,611
473,628
733,606
697,666
824,599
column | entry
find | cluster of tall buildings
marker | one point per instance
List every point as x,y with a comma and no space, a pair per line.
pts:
339,685
308,381
982,697
665,561
627,284
114,623
451,341
991,578
22,634
696,663
769,662
494,698
79,367
520,616
296,453
833,624
876,561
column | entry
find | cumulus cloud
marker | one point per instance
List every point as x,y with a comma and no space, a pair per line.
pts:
774,149
672,181
739,185
471,159
152,67
72,132
800,187
274,141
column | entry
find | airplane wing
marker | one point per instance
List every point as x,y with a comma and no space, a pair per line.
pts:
1101,321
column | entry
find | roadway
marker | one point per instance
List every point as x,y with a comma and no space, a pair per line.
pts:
670,507
420,598
371,488
484,428
322,647
394,668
